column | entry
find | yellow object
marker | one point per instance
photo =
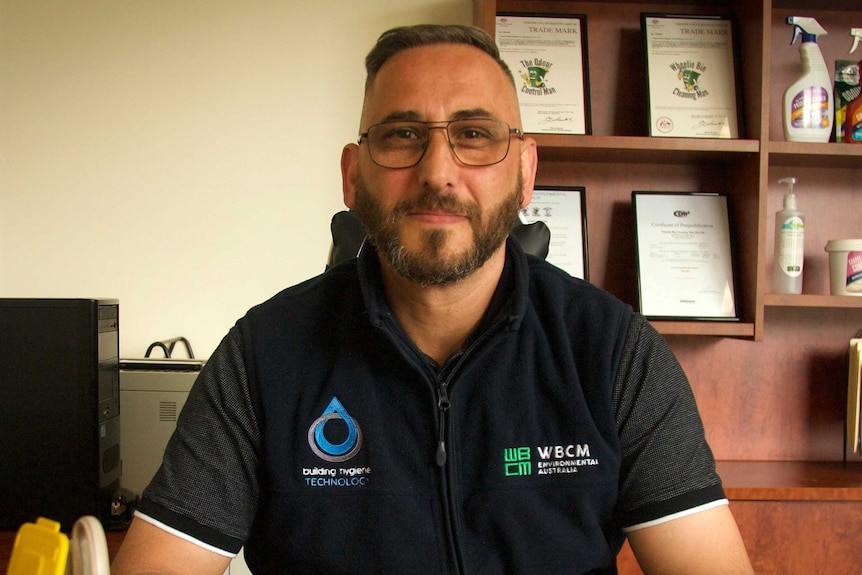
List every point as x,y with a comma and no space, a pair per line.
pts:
40,549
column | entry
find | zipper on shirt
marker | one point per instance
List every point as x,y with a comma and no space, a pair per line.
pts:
442,380
443,405
443,377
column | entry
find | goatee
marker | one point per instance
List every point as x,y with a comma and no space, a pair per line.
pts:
429,265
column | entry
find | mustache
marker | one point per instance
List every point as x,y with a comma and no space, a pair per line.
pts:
434,201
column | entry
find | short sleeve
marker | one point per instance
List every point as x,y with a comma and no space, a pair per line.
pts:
667,465
207,485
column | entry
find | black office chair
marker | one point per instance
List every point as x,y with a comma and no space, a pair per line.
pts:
348,234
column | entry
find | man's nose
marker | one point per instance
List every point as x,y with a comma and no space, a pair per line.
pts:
439,163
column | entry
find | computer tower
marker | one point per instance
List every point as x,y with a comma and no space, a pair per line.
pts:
59,410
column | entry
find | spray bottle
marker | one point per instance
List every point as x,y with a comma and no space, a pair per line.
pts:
808,102
789,244
853,111
857,35
846,87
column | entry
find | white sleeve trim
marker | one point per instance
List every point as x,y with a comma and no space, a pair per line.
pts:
183,536
672,516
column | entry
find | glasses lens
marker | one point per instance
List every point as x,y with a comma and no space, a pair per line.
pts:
397,144
479,142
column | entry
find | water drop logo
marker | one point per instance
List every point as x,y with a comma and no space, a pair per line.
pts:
325,449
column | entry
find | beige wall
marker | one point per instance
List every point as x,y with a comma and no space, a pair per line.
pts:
181,156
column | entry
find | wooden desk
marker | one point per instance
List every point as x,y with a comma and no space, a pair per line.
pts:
7,540
796,518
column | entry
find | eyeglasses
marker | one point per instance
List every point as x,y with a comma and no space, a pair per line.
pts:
474,141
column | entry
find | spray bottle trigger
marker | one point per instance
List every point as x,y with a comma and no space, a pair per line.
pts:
796,32
857,35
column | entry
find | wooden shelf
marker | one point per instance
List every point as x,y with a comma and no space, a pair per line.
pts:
828,155
791,480
812,300
839,5
636,149
717,328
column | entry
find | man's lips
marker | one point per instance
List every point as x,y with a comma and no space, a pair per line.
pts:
437,217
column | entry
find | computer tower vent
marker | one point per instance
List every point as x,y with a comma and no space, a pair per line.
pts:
168,411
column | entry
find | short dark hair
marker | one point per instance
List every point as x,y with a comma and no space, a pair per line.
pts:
402,38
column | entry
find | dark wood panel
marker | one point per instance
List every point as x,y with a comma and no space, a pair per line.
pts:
791,538
792,480
801,538
780,399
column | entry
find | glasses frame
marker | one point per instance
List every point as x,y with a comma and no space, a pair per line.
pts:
445,127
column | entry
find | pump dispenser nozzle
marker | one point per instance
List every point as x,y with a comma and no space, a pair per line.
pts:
805,26
789,197
857,35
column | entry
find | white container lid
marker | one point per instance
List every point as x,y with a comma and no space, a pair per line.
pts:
844,245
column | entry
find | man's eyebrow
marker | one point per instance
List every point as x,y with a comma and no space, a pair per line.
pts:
405,116
474,113
413,116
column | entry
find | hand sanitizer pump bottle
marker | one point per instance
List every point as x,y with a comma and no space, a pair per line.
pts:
789,244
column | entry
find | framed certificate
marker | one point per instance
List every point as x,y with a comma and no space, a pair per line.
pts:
547,56
684,257
563,210
691,76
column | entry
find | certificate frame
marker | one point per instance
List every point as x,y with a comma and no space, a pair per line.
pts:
685,257
692,67
547,54
564,210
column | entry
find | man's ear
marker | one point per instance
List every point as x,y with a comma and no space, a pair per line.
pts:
349,168
529,164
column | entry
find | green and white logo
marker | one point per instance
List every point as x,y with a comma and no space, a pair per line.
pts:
517,461
550,460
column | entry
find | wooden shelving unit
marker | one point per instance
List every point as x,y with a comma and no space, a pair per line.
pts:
771,387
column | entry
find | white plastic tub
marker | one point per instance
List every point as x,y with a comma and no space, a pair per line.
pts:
845,267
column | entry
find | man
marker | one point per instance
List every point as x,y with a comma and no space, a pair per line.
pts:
445,404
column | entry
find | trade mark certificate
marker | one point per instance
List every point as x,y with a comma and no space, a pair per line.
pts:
684,260
691,76
547,56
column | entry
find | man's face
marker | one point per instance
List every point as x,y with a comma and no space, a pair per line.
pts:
431,263
438,221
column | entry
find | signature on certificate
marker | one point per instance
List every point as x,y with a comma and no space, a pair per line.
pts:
710,124
556,120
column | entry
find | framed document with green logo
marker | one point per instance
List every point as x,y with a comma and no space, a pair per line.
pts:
691,76
684,256
547,55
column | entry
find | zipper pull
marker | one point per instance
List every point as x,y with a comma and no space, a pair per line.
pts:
442,407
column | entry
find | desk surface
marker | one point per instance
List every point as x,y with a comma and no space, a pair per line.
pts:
745,482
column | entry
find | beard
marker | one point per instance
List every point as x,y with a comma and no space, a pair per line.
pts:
429,264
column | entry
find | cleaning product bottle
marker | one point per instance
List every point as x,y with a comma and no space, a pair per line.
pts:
808,102
846,86
857,35
853,112
789,244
